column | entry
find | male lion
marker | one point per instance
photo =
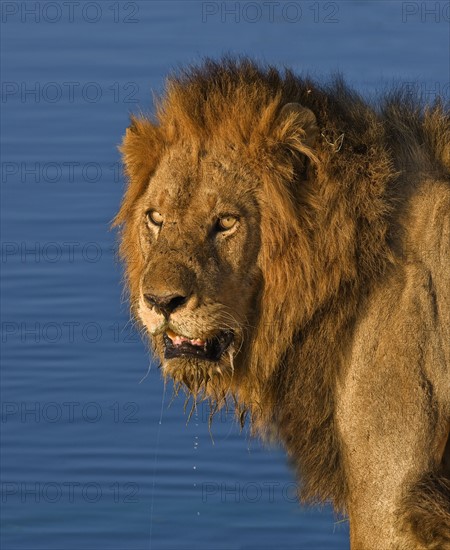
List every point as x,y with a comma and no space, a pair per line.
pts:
287,244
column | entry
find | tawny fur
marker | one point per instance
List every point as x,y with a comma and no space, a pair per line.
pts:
343,206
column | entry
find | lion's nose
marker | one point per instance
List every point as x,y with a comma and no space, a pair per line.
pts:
165,303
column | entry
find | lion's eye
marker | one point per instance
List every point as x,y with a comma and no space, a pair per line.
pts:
225,223
154,217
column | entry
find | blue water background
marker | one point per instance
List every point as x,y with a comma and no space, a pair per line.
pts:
91,457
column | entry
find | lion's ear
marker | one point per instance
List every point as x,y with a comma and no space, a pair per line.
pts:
140,148
296,128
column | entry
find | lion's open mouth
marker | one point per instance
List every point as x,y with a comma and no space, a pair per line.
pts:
210,350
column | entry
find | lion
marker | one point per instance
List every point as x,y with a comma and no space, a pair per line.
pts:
287,247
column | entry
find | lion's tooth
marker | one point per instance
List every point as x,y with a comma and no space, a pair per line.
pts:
198,342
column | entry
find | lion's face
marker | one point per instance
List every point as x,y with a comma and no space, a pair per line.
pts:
198,229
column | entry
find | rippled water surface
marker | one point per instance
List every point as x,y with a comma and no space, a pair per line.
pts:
91,457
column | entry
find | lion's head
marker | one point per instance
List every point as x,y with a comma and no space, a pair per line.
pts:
208,213
227,186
